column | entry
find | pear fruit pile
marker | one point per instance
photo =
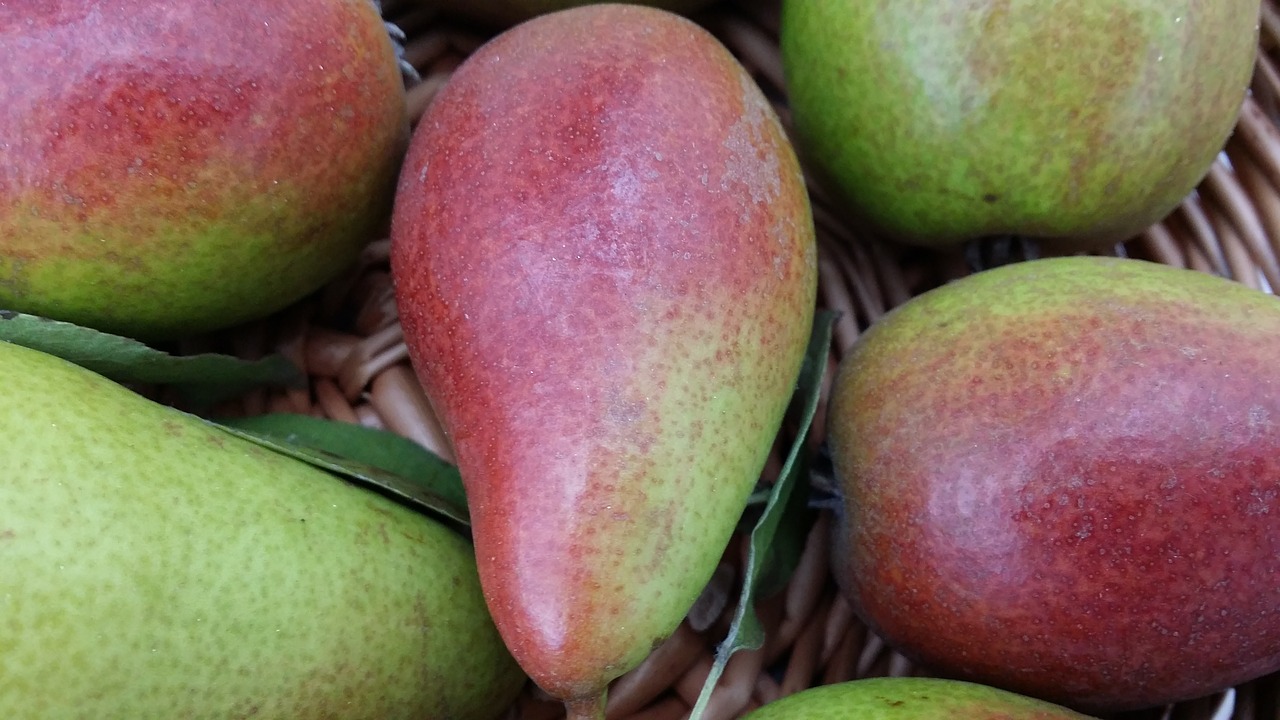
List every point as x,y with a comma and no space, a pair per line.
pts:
1075,122
1062,477
172,167
158,567
1058,481
605,267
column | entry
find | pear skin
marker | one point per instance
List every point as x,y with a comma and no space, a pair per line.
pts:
606,271
1075,122
171,168
1062,478
157,567
502,14
909,698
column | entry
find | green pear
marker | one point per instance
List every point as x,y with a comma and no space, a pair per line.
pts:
1078,122
909,698
157,567
1062,478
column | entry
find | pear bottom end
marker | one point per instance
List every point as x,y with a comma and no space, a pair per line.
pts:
585,707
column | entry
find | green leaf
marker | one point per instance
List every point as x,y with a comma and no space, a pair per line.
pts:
782,555
370,457
783,511
203,379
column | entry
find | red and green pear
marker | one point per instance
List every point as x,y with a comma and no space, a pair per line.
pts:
503,14
169,168
605,267
1062,478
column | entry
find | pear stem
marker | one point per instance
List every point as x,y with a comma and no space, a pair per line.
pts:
587,707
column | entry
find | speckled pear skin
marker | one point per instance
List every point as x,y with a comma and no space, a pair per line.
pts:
156,567
170,168
1062,477
1077,122
909,698
606,271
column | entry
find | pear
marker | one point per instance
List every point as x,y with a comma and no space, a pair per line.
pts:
909,698
158,567
1075,122
171,168
605,267
1062,478
502,14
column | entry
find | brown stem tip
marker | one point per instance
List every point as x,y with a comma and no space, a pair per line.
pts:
589,707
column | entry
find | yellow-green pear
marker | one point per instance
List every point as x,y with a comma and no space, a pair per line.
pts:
1075,122
910,698
157,567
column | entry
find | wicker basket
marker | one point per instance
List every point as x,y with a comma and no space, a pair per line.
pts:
348,340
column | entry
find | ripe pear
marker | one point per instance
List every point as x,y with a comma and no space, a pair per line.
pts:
502,14
909,698
157,567
605,267
168,168
1062,478
1076,122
